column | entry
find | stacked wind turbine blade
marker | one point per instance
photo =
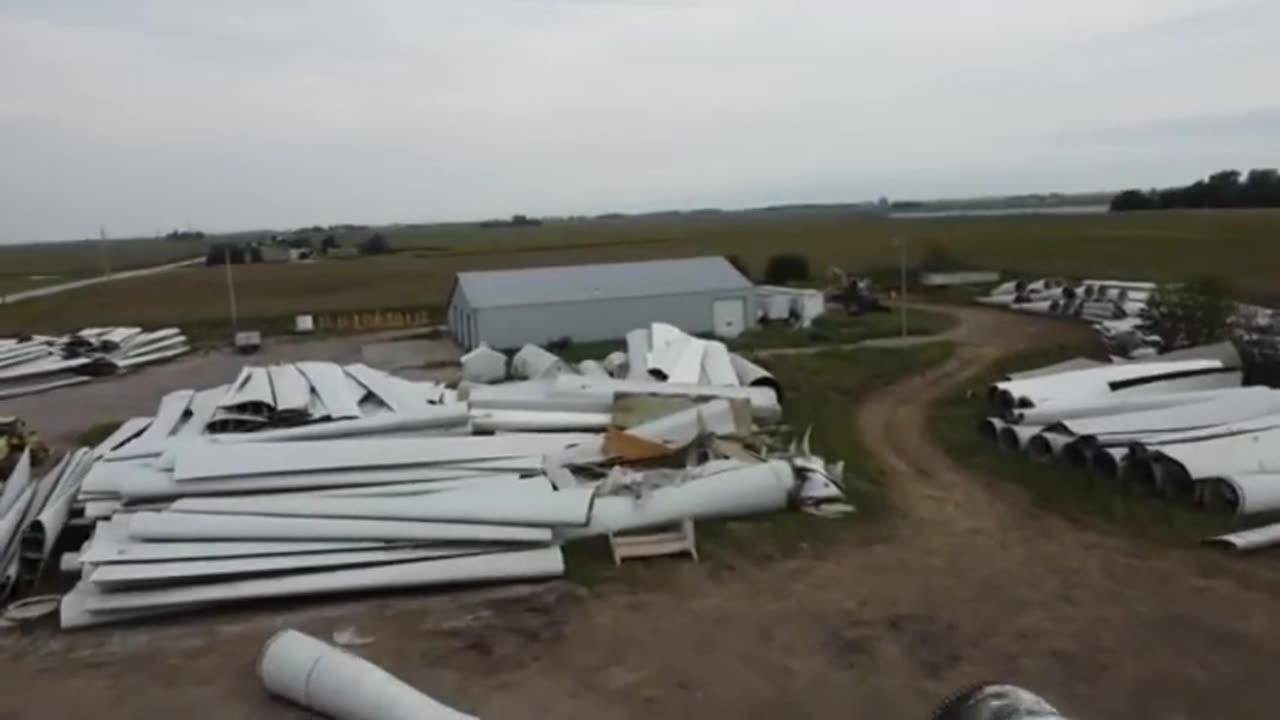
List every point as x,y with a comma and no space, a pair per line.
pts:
312,477
1179,426
42,363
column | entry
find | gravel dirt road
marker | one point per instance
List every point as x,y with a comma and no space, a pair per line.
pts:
968,584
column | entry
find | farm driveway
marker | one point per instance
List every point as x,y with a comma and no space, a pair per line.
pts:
970,584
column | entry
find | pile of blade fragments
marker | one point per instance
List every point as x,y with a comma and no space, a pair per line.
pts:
314,478
38,363
1114,308
1180,427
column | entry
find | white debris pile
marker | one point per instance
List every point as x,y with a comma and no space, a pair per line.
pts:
796,306
1180,426
40,363
318,479
1114,307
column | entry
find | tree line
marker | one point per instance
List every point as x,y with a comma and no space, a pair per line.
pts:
1223,189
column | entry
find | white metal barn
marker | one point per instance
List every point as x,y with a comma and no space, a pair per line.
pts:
508,308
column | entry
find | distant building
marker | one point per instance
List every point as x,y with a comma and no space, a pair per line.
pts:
586,303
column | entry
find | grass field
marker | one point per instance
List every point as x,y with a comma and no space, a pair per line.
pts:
822,391
1078,495
1238,245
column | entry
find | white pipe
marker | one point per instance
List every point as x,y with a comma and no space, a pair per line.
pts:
760,488
85,605
1108,462
639,345
504,420
420,419
116,577
533,362
615,363
208,460
540,395
1204,414
1251,539
764,401
178,347
538,504
337,684
218,526
484,365
592,368
676,430
1257,452
752,375
991,427
142,482
1096,382
1046,446
1251,493
1053,412
110,543
1013,438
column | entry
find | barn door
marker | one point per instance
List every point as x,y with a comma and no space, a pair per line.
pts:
728,317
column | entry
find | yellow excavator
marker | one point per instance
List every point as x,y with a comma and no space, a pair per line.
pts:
14,438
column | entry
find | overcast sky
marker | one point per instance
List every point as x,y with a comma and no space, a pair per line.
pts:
145,115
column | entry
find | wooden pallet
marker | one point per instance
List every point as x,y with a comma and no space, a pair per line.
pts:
680,539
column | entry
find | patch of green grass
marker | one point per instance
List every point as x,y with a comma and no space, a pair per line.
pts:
577,352
822,392
1078,495
96,433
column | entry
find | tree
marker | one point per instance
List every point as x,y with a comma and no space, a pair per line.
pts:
376,244
1223,189
740,265
1193,313
1130,200
786,268
222,253
328,243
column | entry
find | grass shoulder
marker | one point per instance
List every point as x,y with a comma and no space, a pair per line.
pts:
822,391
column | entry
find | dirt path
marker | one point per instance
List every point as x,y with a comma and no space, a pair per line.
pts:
970,584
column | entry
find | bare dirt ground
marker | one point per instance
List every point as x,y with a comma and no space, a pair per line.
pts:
969,584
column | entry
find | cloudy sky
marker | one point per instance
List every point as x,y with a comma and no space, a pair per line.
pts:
144,115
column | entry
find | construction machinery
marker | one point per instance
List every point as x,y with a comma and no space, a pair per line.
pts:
15,437
852,293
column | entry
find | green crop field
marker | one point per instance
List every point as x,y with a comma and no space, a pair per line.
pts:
1242,246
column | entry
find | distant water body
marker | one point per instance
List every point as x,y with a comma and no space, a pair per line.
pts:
996,212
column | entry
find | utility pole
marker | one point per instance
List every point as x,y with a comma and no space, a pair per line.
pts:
102,250
231,289
902,281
